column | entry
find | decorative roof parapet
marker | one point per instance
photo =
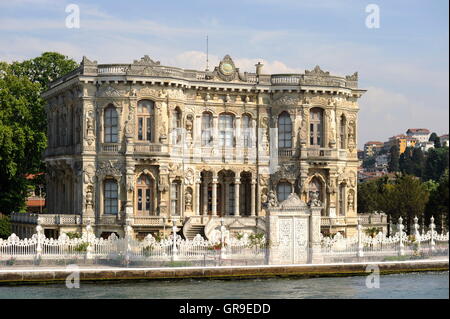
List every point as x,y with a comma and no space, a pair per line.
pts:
88,67
317,71
226,71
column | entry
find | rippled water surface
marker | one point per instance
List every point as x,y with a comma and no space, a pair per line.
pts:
412,285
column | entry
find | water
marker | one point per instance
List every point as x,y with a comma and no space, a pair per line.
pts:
433,285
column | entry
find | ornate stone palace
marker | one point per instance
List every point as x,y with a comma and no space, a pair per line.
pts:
144,144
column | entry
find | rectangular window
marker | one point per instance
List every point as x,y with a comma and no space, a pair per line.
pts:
231,191
148,121
206,130
139,199
174,199
140,128
283,191
147,199
111,197
226,133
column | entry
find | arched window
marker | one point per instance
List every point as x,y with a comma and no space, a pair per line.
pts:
110,124
342,132
111,202
247,130
175,207
145,119
283,190
316,127
226,130
176,126
144,195
206,129
284,131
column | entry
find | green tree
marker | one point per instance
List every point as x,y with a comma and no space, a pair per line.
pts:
393,165
435,138
23,124
418,159
436,163
369,162
5,227
406,164
407,198
45,68
438,203
370,195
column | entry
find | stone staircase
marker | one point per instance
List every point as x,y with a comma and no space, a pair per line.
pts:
194,230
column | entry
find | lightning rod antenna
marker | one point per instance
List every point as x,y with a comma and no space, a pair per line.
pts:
207,54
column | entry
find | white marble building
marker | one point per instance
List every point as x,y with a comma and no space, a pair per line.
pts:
142,144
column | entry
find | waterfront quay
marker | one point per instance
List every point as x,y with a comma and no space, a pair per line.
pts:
29,275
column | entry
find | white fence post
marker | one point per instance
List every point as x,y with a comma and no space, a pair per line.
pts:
360,243
39,237
417,233
128,231
223,229
432,227
89,240
401,251
174,240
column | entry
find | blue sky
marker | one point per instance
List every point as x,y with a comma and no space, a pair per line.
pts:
403,64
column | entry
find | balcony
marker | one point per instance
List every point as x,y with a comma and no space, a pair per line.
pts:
286,152
147,149
285,79
46,219
110,147
153,221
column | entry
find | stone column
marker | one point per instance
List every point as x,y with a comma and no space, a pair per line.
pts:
197,197
253,198
237,182
214,195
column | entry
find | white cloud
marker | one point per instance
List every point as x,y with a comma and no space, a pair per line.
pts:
384,113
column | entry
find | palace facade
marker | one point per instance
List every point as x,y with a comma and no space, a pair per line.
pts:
144,145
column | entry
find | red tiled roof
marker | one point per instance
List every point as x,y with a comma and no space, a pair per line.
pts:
374,142
35,202
418,130
32,176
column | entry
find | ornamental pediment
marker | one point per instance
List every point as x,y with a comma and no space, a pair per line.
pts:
227,71
287,100
145,67
317,71
109,91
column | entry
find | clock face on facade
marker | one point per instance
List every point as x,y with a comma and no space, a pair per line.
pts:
226,68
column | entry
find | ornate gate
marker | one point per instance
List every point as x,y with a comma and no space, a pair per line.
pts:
293,239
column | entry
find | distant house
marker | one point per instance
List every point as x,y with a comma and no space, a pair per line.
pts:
420,134
364,176
425,146
402,141
35,203
444,140
381,161
372,147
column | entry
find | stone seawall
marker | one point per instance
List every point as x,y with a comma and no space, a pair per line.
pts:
58,274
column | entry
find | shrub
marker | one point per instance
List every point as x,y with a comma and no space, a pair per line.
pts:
81,247
73,235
